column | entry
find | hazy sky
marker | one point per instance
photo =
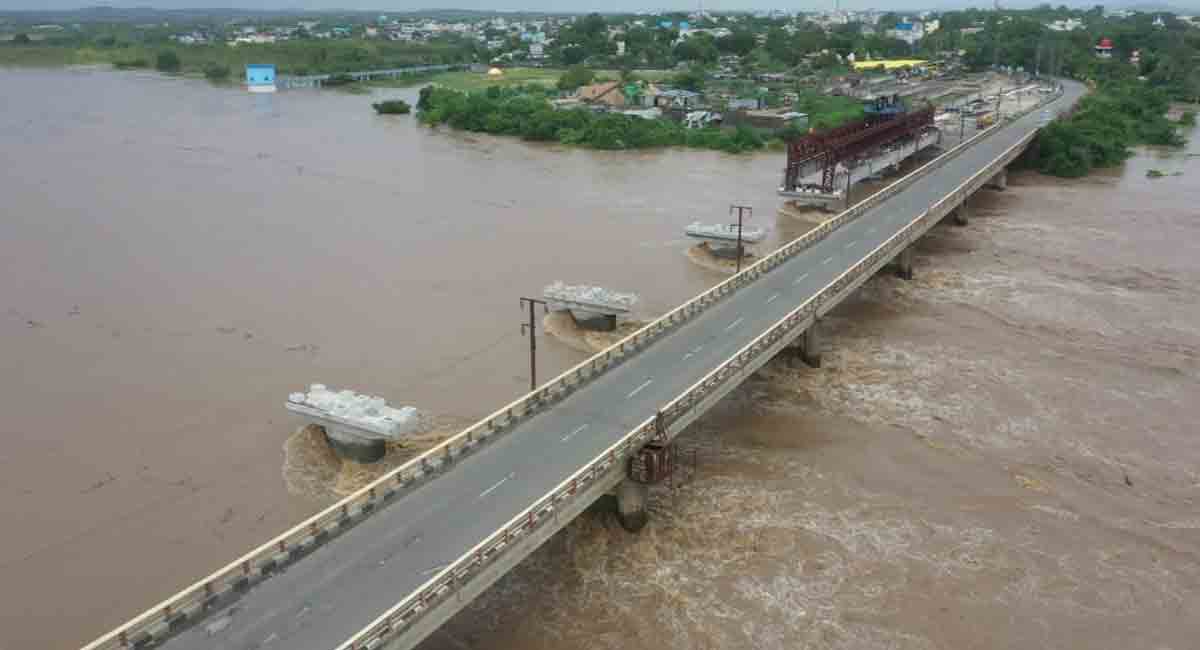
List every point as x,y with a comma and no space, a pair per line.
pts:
564,5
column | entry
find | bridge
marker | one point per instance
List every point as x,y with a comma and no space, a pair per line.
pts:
318,80
386,566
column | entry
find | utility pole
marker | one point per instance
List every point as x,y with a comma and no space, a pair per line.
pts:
998,96
749,213
849,172
531,328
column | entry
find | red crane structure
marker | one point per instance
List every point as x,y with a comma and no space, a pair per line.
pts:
886,122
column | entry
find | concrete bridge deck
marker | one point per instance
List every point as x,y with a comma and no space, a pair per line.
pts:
339,588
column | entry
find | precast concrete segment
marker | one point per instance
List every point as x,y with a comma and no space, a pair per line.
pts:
328,596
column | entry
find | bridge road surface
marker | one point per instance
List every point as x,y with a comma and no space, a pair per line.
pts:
326,597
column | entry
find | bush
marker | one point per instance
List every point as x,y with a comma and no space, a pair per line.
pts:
167,61
22,39
130,64
1188,118
691,79
392,107
217,72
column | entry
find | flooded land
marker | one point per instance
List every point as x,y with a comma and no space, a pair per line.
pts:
1000,453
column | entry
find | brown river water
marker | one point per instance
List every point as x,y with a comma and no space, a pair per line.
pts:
1001,453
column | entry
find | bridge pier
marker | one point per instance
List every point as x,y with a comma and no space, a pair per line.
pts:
354,447
904,263
631,504
595,322
809,346
962,214
1000,180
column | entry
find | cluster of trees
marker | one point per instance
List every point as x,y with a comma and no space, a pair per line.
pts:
1103,128
574,77
525,112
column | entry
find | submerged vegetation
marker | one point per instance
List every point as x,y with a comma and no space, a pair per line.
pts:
1102,129
526,112
392,107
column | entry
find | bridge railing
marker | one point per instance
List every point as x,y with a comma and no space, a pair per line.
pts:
218,588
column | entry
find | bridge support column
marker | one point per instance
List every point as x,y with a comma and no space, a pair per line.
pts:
904,264
597,322
631,504
1000,180
353,447
810,346
962,215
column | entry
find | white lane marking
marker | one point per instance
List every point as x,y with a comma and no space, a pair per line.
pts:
434,569
852,243
639,388
800,279
772,298
572,434
827,260
498,484
734,323
693,352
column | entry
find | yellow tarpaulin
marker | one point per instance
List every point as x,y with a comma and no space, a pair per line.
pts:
889,65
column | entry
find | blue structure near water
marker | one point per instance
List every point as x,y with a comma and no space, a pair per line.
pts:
260,78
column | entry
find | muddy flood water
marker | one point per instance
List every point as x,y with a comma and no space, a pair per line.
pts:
1000,453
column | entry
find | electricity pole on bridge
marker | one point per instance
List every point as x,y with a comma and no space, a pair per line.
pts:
531,328
749,213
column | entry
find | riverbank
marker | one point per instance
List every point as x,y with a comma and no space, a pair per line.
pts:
295,57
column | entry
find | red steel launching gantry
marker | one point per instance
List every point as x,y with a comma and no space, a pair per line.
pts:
887,121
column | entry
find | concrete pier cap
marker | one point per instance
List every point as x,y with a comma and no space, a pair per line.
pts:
591,307
356,426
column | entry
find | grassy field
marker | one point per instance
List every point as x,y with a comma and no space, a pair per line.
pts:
511,77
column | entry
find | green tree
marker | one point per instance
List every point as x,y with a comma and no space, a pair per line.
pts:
574,77
167,61
740,42
700,48
217,72
692,78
